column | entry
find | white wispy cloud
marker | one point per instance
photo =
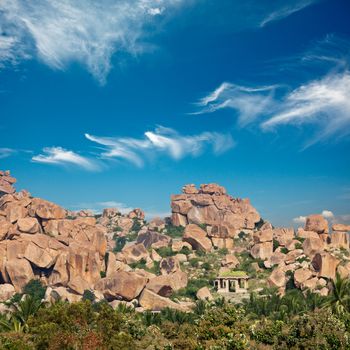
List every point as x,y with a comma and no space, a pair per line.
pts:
7,152
162,140
97,207
286,11
300,220
61,156
248,102
325,102
86,31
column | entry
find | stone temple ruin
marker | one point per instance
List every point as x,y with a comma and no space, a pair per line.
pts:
232,282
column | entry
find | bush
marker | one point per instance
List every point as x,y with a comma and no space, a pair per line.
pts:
136,226
165,252
89,295
119,244
194,262
35,289
174,231
139,265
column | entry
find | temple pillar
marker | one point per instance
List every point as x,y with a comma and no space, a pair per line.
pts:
236,286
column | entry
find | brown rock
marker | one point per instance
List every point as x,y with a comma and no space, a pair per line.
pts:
156,224
28,225
325,264
307,234
262,250
301,275
165,285
125,285
277,278
292,256
20,273
169,265
204,294
263,236
46,210
190,189
153,239
181,207
283,235
340,239
311,246
178,219
221,243
230,260
316,223
152,301
179,245
212,189
4,228
197,237
344,270
137,214
341,227
6,291
134,253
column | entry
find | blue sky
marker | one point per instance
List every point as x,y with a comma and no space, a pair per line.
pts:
106,102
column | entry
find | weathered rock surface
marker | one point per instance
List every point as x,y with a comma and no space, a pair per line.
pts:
316,223
204,294
123,285
152,301
210,205
197,238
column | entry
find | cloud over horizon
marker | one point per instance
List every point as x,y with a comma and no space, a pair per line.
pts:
161,141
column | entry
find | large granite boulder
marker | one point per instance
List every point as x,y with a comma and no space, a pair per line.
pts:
152,301
197,238
316,223
121,285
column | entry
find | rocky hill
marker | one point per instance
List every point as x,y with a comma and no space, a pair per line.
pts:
165,262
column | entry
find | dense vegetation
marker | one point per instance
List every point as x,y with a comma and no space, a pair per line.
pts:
294,321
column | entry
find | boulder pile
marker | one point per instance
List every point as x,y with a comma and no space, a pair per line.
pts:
223,216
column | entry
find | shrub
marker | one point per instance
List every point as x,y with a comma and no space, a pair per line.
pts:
136,226
284,250
119,244
174,231
275,244
194,262
89,295
139,265
165,252
35,289
206,266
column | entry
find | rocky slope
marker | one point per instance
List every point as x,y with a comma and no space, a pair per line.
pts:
162,263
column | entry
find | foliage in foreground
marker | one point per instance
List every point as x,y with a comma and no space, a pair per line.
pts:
295,321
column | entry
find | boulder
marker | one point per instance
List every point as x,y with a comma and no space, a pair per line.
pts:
28,225
63,294
137,213
190,189
263,236
110,213
262,250
311,283
283,235
179,245
277,278
340,239
169,265
325,264
301,275
153,239
156,224
344,270
5,227
341,227
165,285
134,253
306,234
204,294
6,291
316,223
178,219
292,256
19,272
46,210
311,246
222,243
152,301
124,285
230,260
197,238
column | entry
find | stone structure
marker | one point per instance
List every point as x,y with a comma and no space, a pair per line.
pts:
231,283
